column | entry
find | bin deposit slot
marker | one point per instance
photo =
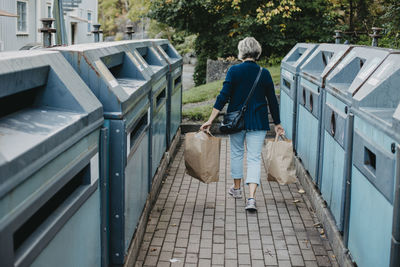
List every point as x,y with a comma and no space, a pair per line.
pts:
304,96
33,224
286,83
22,100
138,129
370,159
326,57
168,50
333,124
361,63
160,97
311,102
123,69
178,80
150,56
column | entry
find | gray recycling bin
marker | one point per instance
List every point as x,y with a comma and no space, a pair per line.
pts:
159,96
174,104
309,103
50,212
290,69
337,124
376,140
119,80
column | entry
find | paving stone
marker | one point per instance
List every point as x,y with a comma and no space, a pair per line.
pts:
297,260
218,259
201,226
244,259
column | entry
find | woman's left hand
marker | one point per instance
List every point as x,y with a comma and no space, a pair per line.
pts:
279,130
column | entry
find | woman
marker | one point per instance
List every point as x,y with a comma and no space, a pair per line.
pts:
237,85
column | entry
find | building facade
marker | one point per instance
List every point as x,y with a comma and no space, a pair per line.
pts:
20,21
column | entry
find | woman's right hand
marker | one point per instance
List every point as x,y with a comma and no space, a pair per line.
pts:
206,126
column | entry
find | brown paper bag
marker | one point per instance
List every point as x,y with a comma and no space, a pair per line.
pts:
280,161
202,156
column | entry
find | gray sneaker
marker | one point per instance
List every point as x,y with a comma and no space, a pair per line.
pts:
236,193
251,205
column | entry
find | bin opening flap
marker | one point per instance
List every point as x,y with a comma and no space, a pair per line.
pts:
346,73
152,57
297,54
321,62
35,88
126,71
170,51
381,90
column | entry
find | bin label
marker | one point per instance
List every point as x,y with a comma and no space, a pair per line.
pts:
94,169
144,63
137,64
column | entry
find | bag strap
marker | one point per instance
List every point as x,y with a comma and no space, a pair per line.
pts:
252,90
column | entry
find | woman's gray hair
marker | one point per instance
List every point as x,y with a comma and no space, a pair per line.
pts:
249,48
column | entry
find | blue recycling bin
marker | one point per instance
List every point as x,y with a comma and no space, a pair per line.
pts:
50,210
337,124
119,80
290,69
174,102
309,103
159,97
371,232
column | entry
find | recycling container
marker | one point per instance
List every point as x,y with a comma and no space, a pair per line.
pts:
290,69
373,171
119,80
342,82
159,98
50,211
309,103
174,104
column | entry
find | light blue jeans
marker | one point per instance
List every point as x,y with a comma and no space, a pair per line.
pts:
254,144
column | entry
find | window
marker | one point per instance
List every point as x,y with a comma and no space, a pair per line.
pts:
89,18
22,16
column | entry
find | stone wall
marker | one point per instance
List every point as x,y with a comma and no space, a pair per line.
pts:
217,69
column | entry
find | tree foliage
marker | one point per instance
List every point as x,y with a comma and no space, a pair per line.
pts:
220,24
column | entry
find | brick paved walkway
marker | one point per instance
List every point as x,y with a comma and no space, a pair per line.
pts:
199,225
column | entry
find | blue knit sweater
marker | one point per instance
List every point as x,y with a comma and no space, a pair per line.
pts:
237,85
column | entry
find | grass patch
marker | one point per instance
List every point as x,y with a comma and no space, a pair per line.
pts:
200,113
202,93
275,71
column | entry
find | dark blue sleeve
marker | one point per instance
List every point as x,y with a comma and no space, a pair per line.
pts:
225,92
272,101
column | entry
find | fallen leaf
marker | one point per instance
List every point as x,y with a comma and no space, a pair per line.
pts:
322,232
317,224
296,201
153,249
174,224
301,191
174,260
